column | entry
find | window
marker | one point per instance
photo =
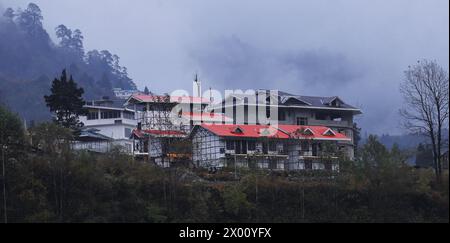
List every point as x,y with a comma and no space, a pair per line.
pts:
285,148
336,103
302,121
92,115
238,130
281,115
251,145
305,146
128,115
110,114
230,145
329,132
308,165
272,146
127,132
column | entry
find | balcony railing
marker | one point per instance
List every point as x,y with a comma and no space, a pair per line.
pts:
330,123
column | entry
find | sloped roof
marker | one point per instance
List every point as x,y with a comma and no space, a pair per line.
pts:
112,104
158,133
248,131
142,98
319,132
307,101
280,132
92,135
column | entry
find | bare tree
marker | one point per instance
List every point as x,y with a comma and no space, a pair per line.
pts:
425,91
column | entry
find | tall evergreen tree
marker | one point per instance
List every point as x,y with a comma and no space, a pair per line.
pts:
146,91
66,101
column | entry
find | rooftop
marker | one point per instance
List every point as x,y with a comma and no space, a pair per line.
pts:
280,131
288,99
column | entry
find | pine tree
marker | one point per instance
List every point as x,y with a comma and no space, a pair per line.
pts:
146,91
66,102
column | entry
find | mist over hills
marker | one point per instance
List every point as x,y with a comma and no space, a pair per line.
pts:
30,60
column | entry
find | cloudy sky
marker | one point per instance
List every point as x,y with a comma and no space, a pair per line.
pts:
357,49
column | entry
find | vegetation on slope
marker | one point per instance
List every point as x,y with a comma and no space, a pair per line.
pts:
47,182
30,59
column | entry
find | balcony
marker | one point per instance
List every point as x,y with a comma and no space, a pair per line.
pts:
330,123
112,121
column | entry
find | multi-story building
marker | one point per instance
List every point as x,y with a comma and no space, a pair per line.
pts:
292,109
162,129
282,147
110,119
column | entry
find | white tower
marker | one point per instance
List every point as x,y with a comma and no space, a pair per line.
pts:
197,86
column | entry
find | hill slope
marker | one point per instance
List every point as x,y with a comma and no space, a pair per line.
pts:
30,60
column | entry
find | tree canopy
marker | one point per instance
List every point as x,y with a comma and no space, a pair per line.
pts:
66,101
30,58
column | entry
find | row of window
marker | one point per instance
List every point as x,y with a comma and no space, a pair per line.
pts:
128,115
242,146
109,115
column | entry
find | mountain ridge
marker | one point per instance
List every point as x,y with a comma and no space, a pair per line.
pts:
31,60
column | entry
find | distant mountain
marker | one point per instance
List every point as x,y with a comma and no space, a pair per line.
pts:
30,60
406,141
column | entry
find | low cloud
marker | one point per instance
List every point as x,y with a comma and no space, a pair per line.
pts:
231,63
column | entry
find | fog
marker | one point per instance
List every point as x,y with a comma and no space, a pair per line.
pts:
357,49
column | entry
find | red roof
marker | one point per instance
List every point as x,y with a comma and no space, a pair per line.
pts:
318,132
138,133
248,131
280,131
174,99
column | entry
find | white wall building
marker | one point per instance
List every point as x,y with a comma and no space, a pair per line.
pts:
286,147
111,119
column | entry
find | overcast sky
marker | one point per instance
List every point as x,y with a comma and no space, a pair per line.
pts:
357,50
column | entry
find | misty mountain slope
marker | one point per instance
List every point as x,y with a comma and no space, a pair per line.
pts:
406,141
30,60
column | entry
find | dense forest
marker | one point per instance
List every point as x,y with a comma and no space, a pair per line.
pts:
46,181
30,59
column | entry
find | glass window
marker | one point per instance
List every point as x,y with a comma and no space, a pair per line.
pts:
128,115
281,115
305,146
302,121
230,145
272,146
92,115
127,132
251,145
308,165
110,114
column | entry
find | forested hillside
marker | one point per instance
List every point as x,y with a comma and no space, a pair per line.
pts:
46,181
30,60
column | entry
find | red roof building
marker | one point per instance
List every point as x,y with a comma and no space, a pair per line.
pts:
279,131
278,147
